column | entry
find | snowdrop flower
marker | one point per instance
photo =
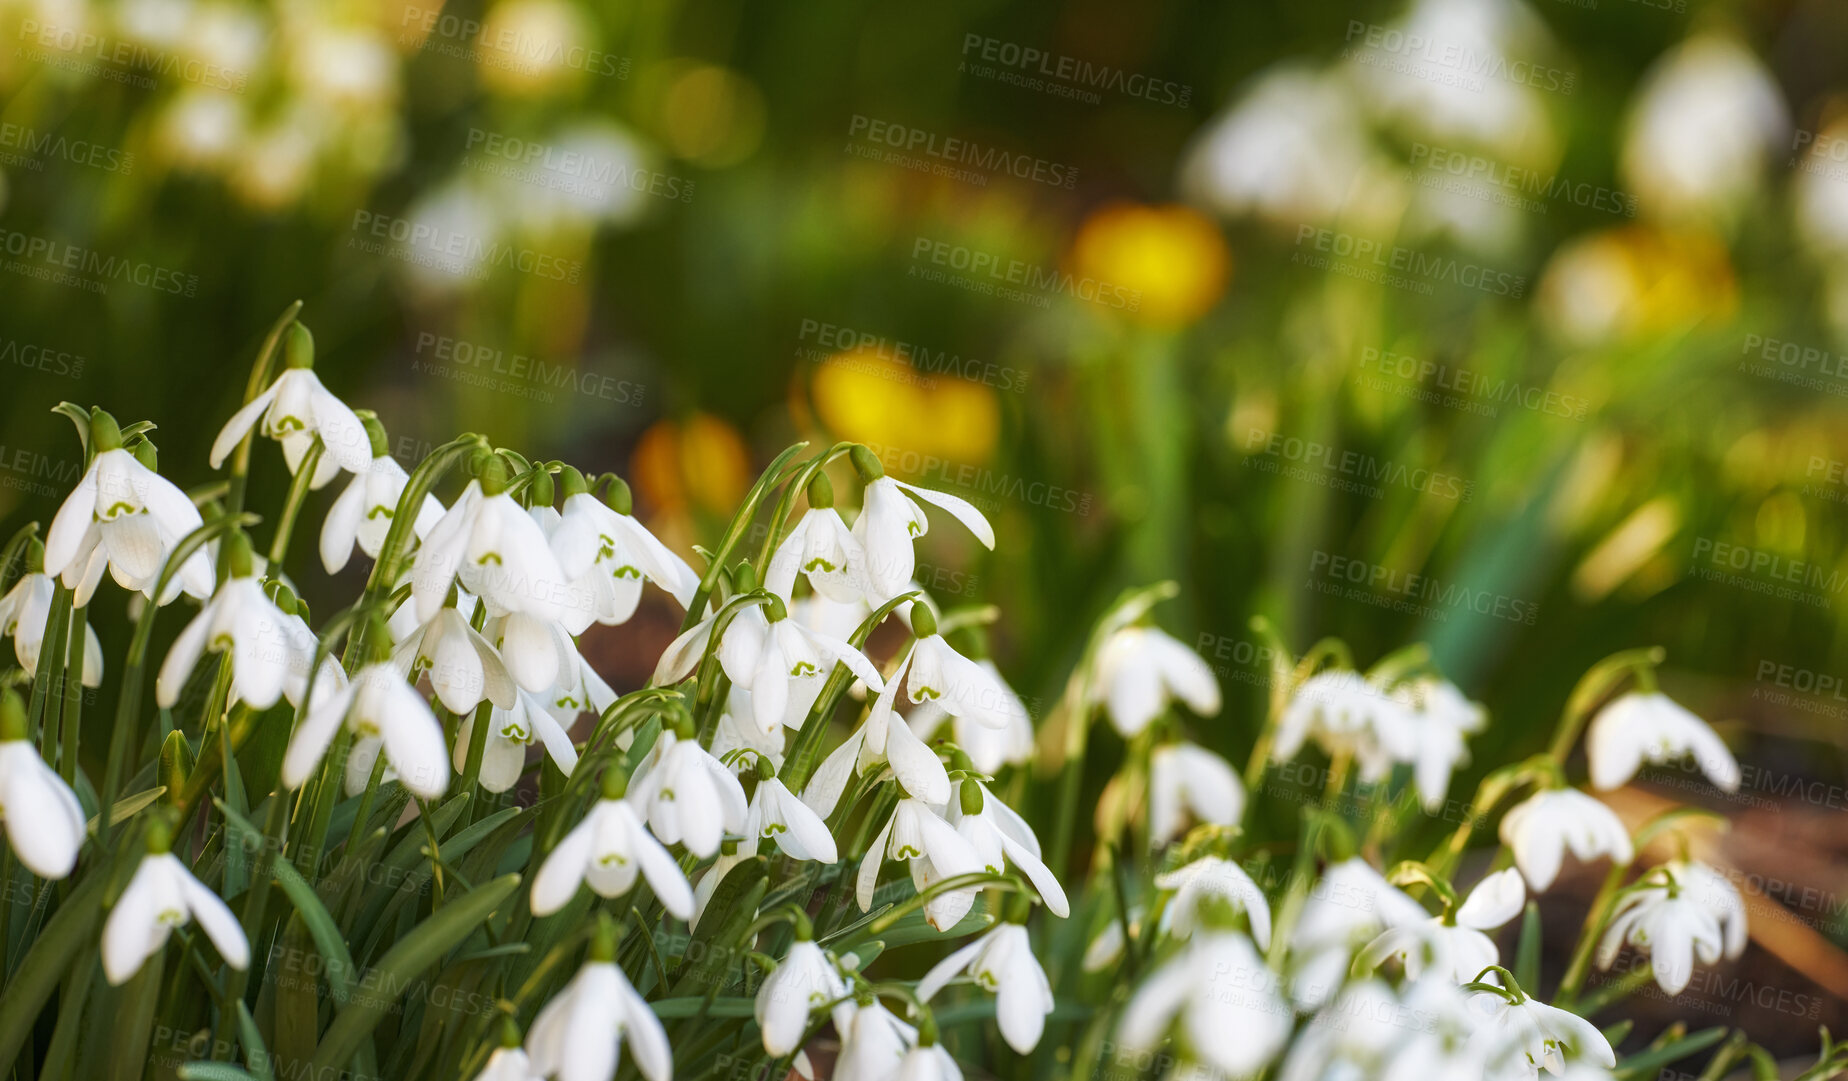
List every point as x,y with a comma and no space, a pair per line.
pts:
1670,924
1289,151
294,410
383,712
928,1062
1441,1049
1453,946
499,553
776,814
1652,727
579,690
44,822
873,1042
934,851
733,733
1703,123
507,1064
889,520
261,643
1001,962
1442,717
688,796
1140,670
537,651
988,748
1346,714
937,673
23,614
608,849
1543,827
163,895
510,732
464,668
1227,1003
1000,837
579,1034
126,517
363,512
824,550
1352,1038
606,554
806,979
738,652
1522,1036
1208,878
1716,893
791,667
1348,906
1186,781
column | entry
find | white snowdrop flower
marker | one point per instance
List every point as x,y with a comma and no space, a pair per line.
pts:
1000,837
1347,908
1226,1001
464,668
1652,727
262,644
890,520
44,822
1106,949
510,732
127,518
1540,829
1190,782
1670,924
1440,1048
1701,127
1453,946
24,612
1353,1037
1140,670
1001,962
738,730
489,542
836,619
776,814
362,513
1211,877
928,1062
823,550
738,651
579,690
537,652
791,668
607,555
609,849
688,796
1346,714
988,748
806,979
874,1042
579,1034
1712,890
1442,716
938,673
1289,150
507,1064
1521,1038
294,410
933,850
383,712
163,895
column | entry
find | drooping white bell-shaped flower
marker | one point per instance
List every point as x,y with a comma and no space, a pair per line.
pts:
126,517
608,850
776,814
1652,727
537,652
989,749
823,550
1543,827
1188,782
464,668
1453,946
498,552
1354,1037
1227,1002
1520,1036
1001,961
1672,925
890,520
294,410
1347,908
805,980
1140,670
1442,716
791,668
510,732
738,650
579,1034
1000,837
508,1064
23,614
928,1062
579,690
737,730
874,1042
688,796
44,822
163,895
607,555
1347,715
1715,892
384,713
262,643
1207,879
933,850
362,513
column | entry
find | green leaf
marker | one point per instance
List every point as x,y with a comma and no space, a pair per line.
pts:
1646,1063
254,1052
670,1008
396,971
321,926
61,941
214,1071
129,806
1527,951
132,1019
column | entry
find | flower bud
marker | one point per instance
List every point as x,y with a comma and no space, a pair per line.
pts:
571,481
105,433
820,491
866,463
971,798
618,496
923,621
540,492
298,347
494,477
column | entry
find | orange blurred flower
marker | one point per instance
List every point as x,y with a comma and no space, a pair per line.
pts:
699,463
1172,255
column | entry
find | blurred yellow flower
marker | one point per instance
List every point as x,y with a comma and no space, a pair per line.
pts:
699,463
530,48
870,397
1172,255
709,114
1636,281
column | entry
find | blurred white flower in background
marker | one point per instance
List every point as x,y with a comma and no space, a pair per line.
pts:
1701,128
1289,150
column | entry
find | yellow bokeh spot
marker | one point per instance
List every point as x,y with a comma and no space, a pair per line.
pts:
711,115
529,48
701,463
871,398
1172,255
1637,281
